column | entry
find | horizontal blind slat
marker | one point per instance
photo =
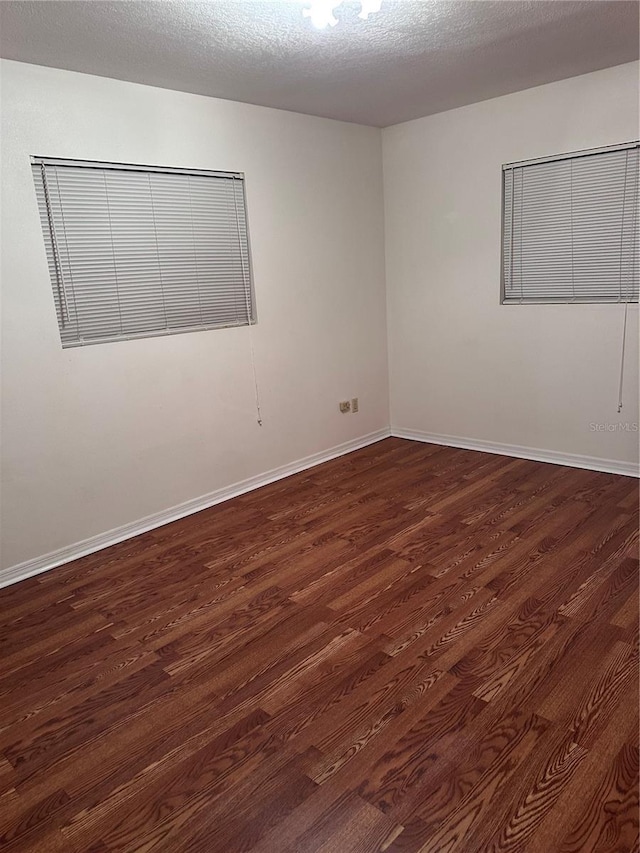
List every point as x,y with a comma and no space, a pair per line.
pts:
137,251
569,229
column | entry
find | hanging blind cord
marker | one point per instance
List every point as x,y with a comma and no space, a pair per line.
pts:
248,307
624,337
62,293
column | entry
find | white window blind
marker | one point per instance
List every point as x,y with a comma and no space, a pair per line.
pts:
136,251
570,228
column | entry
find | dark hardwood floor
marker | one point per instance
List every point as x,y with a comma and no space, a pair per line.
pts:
410,648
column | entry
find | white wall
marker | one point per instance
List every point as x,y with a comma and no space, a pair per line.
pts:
461,364
99,436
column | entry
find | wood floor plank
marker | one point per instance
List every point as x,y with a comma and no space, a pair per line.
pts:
609,820
409,648
583,809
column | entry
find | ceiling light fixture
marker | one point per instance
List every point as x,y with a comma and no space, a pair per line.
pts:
321,11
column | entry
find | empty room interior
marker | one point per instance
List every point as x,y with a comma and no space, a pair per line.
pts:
320,464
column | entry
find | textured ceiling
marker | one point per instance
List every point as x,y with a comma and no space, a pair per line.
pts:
413,58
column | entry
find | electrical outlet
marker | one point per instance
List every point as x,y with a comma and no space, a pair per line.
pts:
345,406
354,405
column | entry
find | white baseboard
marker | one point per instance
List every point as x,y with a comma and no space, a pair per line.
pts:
48,561
128,531
592,463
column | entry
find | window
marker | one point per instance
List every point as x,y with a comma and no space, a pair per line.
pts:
569,227
136,251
